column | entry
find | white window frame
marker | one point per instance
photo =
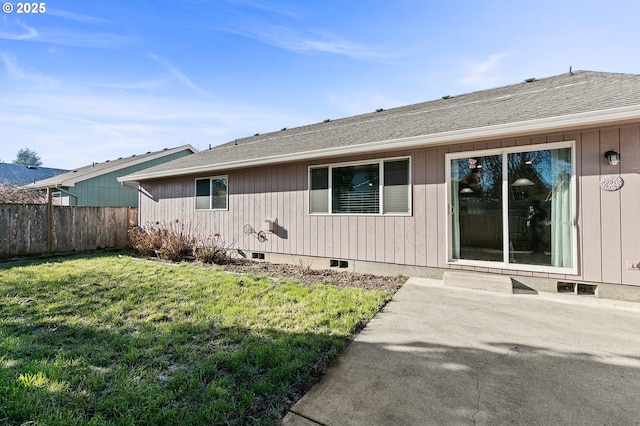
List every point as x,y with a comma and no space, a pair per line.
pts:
380,162
210,179
505,264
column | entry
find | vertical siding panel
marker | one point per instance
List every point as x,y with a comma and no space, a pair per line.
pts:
343,237
419,212
248,200
556,137
295,216
399,240
325,227
371,238
538,140
380,238
327,232
479,146
264,206
589,204
441,209
227,221
353,237
235,187
288,177
610,202
251,200
630,201
315,233
362,238
434,206
390,240
300,212
261,206
242,239
284,177
506,143
409,241
272,208
323,236
494,144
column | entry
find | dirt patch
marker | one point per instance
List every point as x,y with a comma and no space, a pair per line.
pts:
389,284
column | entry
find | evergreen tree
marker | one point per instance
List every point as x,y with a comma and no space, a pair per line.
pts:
27,157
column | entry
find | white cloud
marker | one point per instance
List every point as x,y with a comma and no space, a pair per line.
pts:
74,126
25,32
178,75
17,72
86,19
484,73
18,31
289,39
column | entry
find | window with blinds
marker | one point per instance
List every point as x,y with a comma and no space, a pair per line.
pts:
378,187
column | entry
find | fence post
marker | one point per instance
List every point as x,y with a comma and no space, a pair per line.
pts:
49,221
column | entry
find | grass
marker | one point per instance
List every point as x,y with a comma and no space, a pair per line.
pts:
107,339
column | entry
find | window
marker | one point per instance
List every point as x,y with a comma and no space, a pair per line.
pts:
379,187
211,193
514,206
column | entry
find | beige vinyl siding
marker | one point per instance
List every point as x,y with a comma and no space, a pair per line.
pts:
630,201
608,228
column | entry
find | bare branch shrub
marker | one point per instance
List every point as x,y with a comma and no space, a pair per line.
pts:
173,241
176,241
12,194
304,265
212,250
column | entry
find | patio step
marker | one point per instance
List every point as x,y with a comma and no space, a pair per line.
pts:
478,281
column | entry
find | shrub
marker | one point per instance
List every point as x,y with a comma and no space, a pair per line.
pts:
13,194
173,241
212,250
176,241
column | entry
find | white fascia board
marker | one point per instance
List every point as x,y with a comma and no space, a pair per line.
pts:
550,124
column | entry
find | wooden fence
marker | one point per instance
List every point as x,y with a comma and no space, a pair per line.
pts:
34,229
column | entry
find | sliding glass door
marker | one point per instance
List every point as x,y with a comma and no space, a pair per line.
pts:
476,195
513,206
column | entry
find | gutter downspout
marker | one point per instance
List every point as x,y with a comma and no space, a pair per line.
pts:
136,188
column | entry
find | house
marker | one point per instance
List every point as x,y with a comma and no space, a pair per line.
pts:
534,183
19,174
97,184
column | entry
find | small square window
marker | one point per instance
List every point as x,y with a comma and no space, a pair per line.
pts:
211,193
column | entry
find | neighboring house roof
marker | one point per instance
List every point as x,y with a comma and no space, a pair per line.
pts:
570,100
19,174
109,166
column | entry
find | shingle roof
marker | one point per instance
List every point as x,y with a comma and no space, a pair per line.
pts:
563,95
96,169
18,174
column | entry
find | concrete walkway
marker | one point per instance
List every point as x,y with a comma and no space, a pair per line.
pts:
448,356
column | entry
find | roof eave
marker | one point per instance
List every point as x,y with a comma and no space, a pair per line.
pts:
549,124
71,182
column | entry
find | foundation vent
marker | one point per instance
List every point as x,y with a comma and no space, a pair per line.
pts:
257,255
577,288
335,263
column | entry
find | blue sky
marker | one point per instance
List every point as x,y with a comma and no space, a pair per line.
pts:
96,80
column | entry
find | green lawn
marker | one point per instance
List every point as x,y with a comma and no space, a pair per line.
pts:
108,339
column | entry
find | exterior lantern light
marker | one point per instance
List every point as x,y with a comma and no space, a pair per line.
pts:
612,157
